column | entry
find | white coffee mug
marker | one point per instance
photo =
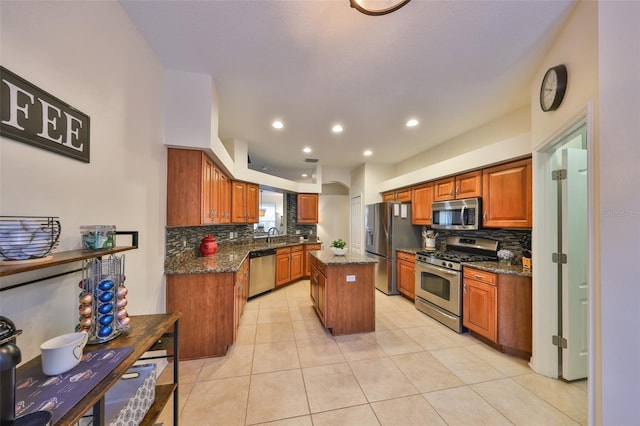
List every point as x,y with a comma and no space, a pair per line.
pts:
60,354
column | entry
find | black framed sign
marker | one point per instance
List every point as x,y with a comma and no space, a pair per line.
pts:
29,114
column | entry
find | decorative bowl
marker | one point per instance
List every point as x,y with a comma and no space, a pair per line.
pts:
339,251
28,237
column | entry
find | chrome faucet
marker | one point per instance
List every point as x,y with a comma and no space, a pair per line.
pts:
270,233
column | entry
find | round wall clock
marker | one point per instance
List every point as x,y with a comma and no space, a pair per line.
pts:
554,85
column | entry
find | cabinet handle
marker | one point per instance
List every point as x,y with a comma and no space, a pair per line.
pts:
457,190
484,216
464,288
478,276
451,191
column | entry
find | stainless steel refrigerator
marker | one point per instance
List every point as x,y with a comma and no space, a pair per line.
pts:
387,226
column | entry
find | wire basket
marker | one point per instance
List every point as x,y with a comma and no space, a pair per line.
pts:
28,237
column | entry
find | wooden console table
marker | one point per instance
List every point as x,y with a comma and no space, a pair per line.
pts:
147,333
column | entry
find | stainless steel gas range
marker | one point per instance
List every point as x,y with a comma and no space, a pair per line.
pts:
439,277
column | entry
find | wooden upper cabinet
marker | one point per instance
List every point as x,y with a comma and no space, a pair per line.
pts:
307,208
193,191
421,199
467,185
399,195
244,202
222,196
507,195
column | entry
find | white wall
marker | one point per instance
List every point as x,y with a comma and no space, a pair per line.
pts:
333,213
89,55
618,334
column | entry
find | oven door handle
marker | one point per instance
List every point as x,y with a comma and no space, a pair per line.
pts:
425,267
462,215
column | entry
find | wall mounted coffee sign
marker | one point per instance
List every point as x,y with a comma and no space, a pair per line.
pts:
29,114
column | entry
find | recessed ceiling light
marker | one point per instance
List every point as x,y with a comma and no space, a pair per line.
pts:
277,124
307,150
367,153
337,128
412,123
304,175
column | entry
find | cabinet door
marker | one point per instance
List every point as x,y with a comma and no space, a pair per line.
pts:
388,196
252,203
221,197
444,189
307,208
283,268
185,170
297,264
506,195
322,294
480,312
403,195
209,211
238,194
421,199
469,185
313,284
307,257
406,278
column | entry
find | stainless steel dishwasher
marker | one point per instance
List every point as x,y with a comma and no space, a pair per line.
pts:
262,275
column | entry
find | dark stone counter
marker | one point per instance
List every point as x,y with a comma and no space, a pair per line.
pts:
328,258
497,268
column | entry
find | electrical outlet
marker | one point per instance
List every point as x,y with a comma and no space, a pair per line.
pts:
235,235
351,278
231,235
311,232
184,241
297,232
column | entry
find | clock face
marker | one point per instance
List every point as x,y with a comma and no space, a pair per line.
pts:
553,87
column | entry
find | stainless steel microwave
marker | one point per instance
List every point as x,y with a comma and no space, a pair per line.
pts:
456,214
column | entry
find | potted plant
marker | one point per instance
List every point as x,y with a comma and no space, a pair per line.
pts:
338,247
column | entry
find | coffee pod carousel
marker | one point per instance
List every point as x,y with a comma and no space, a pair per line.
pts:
102,301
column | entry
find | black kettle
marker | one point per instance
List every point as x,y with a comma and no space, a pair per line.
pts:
9,357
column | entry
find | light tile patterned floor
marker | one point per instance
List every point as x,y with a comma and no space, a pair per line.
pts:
285,369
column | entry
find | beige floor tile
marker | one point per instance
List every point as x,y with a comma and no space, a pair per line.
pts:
519,405
394,342
359,346
567,398
249,317
581,384
318,351
236,363
361,415
431,338
407,411
217,402
246,334
252,305
462,406
381,379
468,367
309,329
383,322
274,332
425,372
273,301
166,416
293,421
384,304
504,363
276,356
275,396
332,386
274,315
188,372
413,318
302,312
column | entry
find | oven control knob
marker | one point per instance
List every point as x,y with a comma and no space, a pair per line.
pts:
444,263
450,266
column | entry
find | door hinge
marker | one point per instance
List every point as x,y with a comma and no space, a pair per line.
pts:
559,341
558,257
559,174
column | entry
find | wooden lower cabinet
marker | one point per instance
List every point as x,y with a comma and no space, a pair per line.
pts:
344,307
211,307
289,264
406,264
497,307
307,262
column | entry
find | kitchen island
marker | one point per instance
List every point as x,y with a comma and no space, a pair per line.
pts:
343,291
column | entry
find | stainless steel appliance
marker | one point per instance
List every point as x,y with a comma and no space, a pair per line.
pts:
388,227
439,277
262,271
456,214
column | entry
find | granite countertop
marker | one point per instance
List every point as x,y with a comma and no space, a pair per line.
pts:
497,268
411,250
228,258
328,258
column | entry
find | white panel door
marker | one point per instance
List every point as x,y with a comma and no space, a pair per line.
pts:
575,286
356,225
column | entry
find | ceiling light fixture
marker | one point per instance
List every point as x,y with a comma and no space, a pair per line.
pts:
412,123
367,153
366,6
277,124
261,211
304,175
337,128
307,150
